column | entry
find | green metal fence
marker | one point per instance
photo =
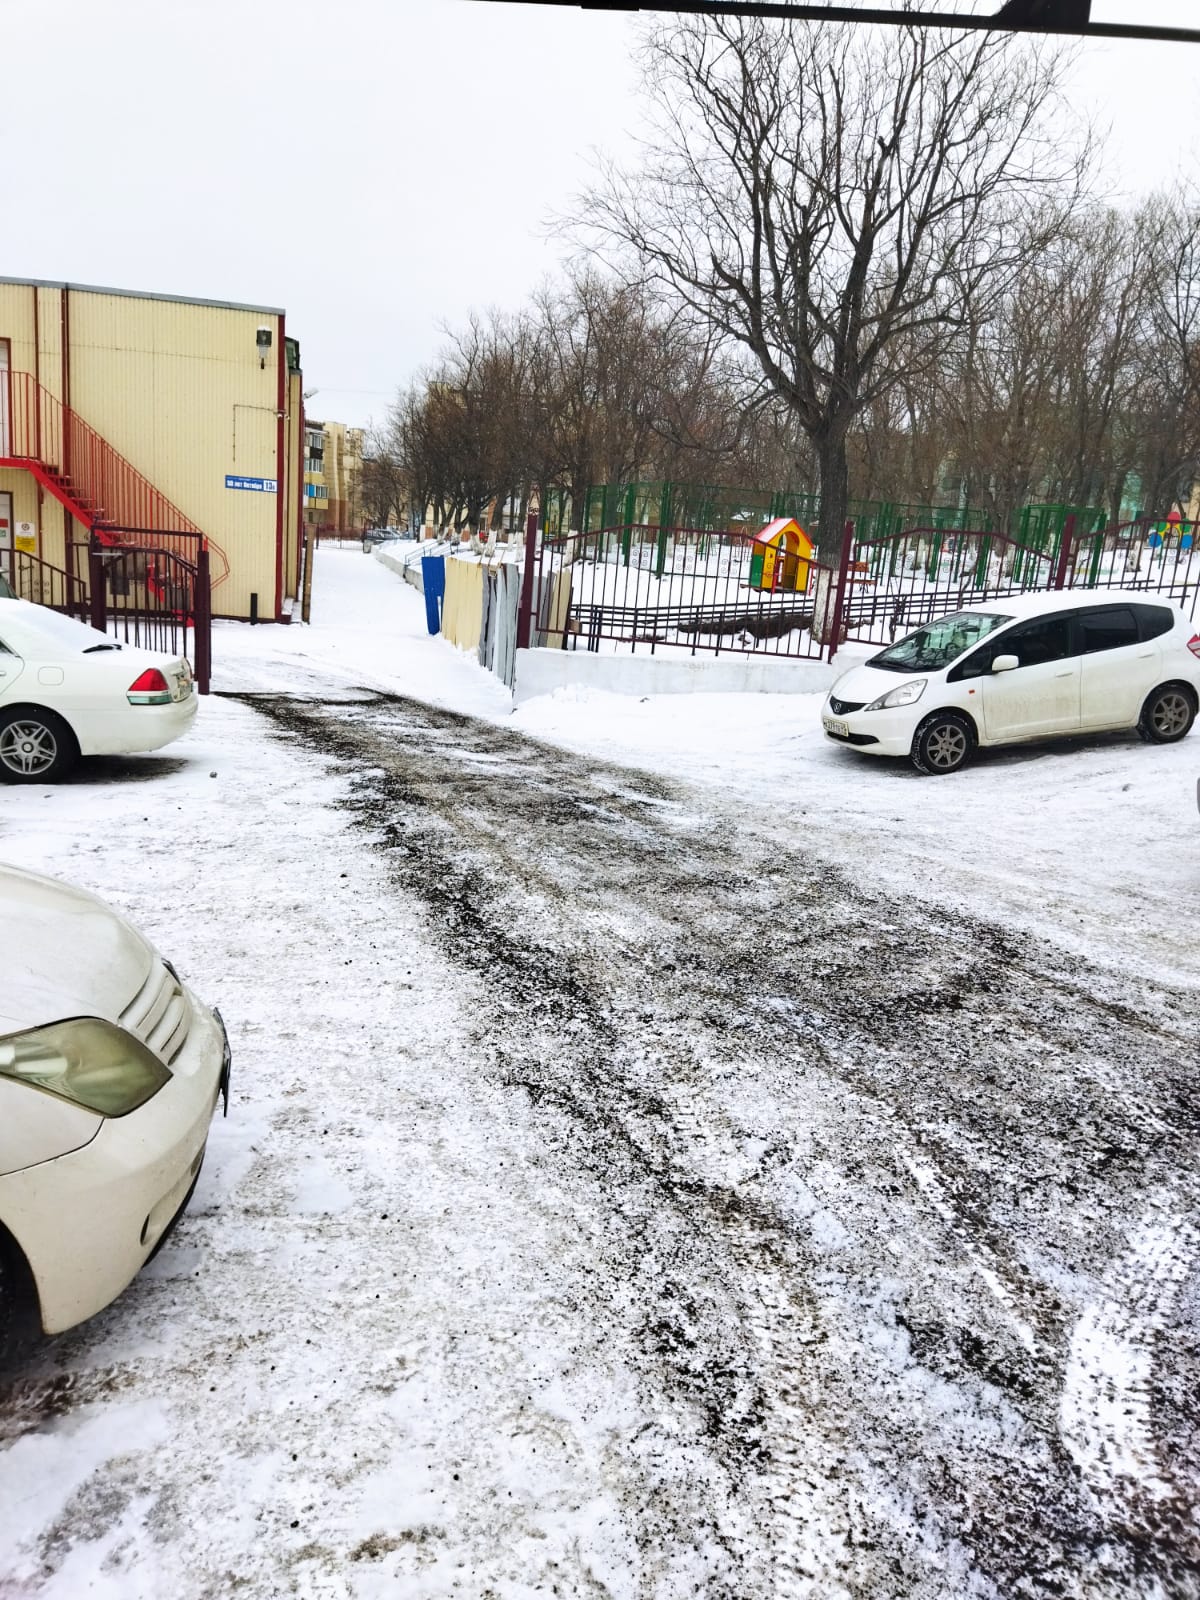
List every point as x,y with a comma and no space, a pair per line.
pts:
725,508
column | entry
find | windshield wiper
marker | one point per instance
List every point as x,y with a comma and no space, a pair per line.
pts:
92,648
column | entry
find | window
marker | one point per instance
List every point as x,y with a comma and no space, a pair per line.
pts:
1033,643
1155,621
1107,630
936,644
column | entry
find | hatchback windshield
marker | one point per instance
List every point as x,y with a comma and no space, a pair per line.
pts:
938,643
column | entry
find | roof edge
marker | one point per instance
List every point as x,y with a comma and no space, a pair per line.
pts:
143,294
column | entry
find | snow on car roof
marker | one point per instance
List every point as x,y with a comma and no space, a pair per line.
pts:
1036,601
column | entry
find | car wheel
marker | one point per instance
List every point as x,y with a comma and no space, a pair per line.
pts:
18,1302
1167,715
943,743
35,746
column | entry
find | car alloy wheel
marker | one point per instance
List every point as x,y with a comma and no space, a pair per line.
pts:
942,744
1167,716
34,747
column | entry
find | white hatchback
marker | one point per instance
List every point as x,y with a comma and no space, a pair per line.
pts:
67,690
1032,666
110,1069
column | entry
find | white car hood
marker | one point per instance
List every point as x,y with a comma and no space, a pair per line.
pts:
66,954
861,685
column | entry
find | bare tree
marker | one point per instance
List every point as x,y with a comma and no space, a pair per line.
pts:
381,489
832,201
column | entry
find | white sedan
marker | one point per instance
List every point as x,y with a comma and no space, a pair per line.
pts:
110,1070
1031,666
67,690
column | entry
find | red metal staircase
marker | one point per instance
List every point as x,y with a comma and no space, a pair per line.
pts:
105,493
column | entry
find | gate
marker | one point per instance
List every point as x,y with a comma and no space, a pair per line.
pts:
145,595
155,598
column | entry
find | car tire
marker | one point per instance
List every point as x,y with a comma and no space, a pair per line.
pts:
1168,714
36,746
18,1302
943,743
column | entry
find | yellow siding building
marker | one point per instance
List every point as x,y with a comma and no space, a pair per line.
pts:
138,414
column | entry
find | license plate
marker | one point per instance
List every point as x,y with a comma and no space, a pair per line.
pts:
838,729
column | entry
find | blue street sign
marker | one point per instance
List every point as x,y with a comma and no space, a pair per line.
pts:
265,485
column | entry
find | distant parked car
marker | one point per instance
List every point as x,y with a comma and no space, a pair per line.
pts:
110,1070
1033,666
67,690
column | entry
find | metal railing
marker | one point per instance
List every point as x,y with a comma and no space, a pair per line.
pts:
144,596
1158,555
47,585
896,583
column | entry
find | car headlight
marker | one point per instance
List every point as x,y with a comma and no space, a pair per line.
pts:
905,695
88,1061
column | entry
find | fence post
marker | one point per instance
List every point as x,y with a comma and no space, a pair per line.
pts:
1065,551
306,601
525,614
839,597
97,607
202,620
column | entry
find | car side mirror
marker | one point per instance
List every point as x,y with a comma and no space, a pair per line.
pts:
1005,663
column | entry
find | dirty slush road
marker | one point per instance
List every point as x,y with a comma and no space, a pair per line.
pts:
899,1206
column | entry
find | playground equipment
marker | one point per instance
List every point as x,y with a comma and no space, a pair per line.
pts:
1172,532
780,557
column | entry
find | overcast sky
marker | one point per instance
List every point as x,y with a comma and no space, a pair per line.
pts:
378,167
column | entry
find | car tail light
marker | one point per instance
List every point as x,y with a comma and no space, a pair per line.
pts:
151,689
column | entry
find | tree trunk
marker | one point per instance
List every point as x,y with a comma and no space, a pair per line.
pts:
834,474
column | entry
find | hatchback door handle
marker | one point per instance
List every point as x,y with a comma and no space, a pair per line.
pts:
1069,673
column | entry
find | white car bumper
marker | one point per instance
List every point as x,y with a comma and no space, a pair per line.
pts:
128,729
874,733
88,1220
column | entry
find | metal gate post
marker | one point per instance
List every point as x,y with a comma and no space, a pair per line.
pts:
202,620
839,598
97,600
525,614
1066,548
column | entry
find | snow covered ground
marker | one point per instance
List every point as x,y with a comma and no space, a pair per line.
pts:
674,1157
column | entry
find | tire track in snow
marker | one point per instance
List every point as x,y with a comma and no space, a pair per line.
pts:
649,966
1106,1400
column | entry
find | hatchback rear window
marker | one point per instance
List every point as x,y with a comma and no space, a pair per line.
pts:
1155,621
1107,630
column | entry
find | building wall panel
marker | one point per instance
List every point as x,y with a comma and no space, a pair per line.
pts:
178,390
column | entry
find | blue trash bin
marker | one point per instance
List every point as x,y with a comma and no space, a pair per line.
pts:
433,580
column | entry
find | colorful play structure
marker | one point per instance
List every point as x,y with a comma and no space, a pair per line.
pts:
1172,532
780,557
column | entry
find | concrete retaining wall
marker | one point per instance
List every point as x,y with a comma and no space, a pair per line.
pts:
543,671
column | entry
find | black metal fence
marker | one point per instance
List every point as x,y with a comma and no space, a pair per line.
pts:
675,591
686,590
149,596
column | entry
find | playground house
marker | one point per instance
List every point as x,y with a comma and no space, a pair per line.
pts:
780,557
